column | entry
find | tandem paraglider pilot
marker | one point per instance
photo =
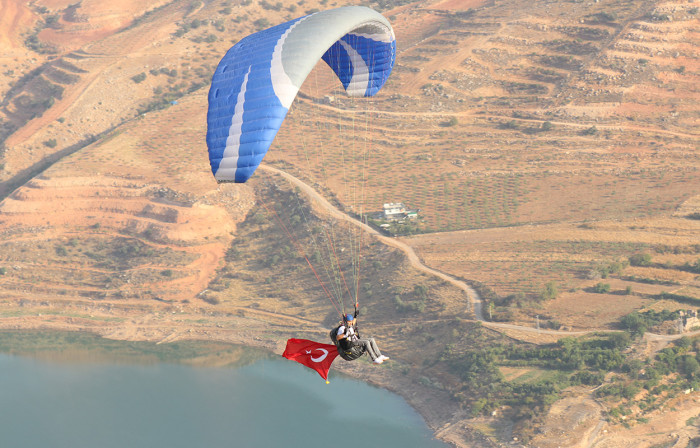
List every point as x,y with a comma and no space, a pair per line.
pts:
350,345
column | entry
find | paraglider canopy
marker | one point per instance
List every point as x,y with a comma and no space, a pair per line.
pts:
257,80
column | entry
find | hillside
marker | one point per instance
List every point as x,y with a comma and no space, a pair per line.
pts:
543,142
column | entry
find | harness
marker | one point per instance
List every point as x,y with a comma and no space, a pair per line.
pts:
351,353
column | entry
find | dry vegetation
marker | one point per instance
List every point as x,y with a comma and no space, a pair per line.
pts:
515,264
543,142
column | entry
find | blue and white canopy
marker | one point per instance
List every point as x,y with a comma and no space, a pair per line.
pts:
259,77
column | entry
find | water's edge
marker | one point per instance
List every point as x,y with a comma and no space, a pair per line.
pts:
75,348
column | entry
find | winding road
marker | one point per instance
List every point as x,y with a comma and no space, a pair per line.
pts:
415,261
413,258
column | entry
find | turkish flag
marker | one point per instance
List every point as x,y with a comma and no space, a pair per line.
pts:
312,354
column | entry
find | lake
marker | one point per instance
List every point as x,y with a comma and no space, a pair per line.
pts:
72,400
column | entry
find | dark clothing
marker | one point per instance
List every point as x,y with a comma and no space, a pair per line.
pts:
346,344
347,349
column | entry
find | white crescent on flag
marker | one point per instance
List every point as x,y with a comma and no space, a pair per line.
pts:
322,357
303,350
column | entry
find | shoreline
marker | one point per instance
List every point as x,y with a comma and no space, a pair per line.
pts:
419,399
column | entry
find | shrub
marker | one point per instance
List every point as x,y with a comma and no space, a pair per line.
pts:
261,24
590,131
693,267
408,307
211,300
550,291
640,259
478,407
275,7
677,298
602,288
512,124
606,16
421,291
51,143
139,78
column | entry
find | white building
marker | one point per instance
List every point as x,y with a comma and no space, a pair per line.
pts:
394,210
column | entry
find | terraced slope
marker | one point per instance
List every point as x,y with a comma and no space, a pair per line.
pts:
500,114
106,224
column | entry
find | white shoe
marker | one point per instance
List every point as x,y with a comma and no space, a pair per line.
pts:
383,358
378,361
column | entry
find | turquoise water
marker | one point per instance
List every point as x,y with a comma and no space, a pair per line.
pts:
268,403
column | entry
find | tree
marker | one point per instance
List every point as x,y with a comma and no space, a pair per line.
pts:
683,342
634,324
689,365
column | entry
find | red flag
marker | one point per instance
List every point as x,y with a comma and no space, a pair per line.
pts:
312,354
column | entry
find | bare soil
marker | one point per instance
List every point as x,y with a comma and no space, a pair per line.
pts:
524,258
16,19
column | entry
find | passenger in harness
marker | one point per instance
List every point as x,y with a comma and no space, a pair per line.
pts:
350,345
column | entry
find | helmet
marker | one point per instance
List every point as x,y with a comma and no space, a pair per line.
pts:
349,317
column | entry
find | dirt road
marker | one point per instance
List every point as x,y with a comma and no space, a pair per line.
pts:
415,261
413,258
